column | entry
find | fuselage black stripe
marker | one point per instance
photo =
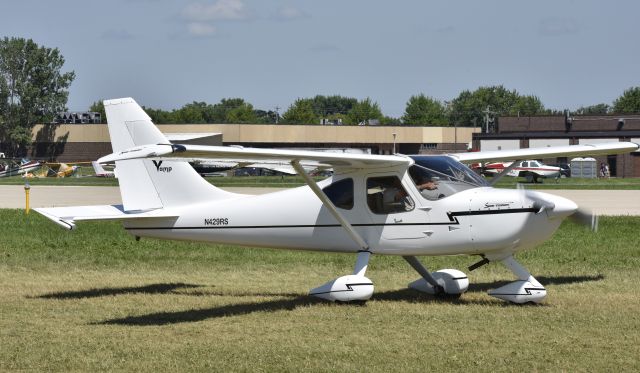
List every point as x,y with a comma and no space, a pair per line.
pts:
452,221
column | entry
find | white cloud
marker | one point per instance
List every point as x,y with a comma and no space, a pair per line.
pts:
201,29
288,13
234,10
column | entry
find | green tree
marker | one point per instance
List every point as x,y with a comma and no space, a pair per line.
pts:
221,110
241,114
470,107
194,112
32,90
390,121
425,111
629,102
159,116
363,111
301,112
98,107
593,109
266,117
328,106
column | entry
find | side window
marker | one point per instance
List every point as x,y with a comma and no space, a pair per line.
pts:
524,164
386,195
427,183
341,193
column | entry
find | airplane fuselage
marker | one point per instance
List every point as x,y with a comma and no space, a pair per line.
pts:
473,221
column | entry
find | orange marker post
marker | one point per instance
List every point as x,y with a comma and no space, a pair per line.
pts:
27,188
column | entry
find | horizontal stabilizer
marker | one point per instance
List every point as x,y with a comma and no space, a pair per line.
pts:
67,216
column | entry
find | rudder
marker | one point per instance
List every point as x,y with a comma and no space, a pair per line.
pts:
151,184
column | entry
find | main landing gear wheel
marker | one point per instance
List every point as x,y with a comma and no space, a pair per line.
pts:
445,282
351,288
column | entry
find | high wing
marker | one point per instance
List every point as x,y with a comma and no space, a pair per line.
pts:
254,155
548,152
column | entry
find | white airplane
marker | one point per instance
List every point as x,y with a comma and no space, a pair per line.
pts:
100,171
373,204
530,169
24,167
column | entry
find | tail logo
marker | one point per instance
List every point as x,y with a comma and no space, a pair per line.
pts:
159,167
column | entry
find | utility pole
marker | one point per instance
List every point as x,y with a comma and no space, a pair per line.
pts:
277,114
487,112
394,142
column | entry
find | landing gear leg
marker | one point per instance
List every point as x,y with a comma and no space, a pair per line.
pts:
446,281
525,289
355,287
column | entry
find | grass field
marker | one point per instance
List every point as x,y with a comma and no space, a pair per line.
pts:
95,299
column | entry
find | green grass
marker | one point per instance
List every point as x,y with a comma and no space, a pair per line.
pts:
95,299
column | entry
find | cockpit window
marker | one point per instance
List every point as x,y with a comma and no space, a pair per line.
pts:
386,195
438,177
341,193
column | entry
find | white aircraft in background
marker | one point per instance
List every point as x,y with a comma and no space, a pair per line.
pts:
408,206
529,169
100,171
13,168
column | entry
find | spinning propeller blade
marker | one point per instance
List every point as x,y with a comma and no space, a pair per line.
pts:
561,208
586,217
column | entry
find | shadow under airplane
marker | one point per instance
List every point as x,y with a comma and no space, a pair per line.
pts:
103,292
291,301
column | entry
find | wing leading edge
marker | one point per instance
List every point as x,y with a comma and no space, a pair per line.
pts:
548,152
335,160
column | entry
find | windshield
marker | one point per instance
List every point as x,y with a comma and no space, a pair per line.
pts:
449,175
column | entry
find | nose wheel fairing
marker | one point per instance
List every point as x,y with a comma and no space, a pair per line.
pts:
525,290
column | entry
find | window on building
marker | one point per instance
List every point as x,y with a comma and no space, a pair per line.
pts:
429,146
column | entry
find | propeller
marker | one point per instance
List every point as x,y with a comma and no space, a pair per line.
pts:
585,217
559,206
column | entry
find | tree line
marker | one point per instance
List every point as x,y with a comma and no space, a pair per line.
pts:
33,89
470,108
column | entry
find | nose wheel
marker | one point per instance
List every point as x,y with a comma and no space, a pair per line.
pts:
525,290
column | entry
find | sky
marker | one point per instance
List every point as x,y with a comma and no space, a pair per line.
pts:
166,53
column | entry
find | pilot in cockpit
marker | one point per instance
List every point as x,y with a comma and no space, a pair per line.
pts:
426,183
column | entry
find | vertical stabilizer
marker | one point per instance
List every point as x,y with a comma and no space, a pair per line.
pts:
151,184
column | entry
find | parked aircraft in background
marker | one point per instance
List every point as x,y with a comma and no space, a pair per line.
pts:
55,169
408,206
100,171
13,168
531,170
61,169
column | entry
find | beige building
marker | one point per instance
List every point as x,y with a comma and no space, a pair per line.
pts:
82,142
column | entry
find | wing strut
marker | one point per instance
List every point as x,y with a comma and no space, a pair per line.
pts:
499,176
330,206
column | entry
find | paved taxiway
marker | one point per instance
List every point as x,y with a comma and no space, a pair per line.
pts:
602,202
